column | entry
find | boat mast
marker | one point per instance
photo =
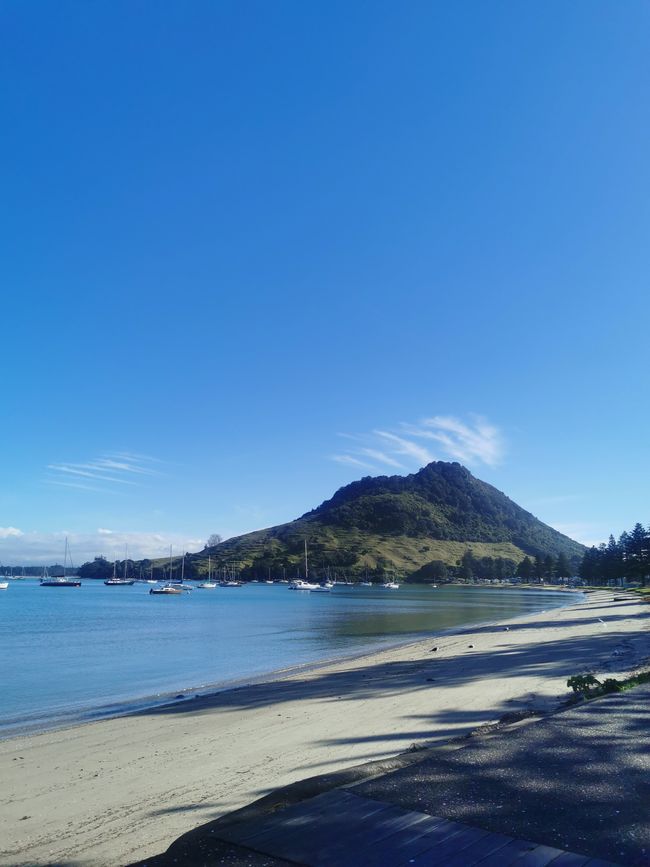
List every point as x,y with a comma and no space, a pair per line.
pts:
65,555
126,557
209,568
306,563
170,564
183,567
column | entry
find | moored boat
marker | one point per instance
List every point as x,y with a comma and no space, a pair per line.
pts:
119,582
61,581
209,584
170,588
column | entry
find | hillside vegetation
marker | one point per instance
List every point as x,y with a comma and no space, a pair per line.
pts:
400,523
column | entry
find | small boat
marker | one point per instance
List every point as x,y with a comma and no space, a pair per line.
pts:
119,582
209,584
365,583
166,590
229,579
4,585
170,588
299,584
60,582
391,585
63,581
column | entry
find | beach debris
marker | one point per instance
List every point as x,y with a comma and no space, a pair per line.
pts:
433,649
471,646
507,629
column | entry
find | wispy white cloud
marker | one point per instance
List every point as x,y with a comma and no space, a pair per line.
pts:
406,447
75,470
351,461
112,470
476,441
382,457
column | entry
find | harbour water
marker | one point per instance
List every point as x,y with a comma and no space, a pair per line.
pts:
71,654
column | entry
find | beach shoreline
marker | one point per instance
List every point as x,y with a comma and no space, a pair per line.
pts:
120,789
145,703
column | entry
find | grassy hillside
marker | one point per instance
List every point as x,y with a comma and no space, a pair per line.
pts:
396,522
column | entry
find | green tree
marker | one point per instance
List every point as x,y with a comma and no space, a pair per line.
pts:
562,566
525,569
637,554
97,568
548,567
613,561
467,566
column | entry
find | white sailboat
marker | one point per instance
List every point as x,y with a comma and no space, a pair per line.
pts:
168,589
123,581
209,584
229,580
299,584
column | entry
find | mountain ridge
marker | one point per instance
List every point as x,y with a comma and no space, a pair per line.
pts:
397,523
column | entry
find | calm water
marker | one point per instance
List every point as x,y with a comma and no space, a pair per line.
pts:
79,653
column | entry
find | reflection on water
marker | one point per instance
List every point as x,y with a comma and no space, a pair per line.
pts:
73,651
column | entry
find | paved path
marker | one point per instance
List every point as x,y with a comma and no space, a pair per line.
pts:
341,829
578,780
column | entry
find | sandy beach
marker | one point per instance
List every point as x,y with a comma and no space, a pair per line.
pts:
110,792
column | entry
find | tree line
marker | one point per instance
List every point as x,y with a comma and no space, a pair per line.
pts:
612,561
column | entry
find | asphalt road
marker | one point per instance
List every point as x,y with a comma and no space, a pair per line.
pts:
579,780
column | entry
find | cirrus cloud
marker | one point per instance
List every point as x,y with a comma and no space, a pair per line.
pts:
473,441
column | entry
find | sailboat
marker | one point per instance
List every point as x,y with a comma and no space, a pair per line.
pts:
119,582
64,581
229,580
299,584
167,589
209,584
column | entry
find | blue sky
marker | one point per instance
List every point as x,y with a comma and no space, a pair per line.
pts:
246,246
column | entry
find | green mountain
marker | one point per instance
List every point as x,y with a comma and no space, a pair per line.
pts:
400,523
